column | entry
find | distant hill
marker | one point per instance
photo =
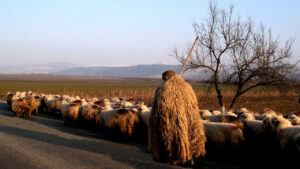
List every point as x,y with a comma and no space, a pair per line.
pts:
104,71
139,71
37,68
121,71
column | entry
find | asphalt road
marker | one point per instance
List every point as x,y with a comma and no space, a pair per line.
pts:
44,141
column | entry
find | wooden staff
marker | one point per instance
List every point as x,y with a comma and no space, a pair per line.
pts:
190,53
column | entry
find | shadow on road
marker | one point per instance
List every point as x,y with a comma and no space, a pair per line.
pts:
5,110
99,146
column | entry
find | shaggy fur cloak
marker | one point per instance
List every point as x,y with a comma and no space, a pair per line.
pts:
176,133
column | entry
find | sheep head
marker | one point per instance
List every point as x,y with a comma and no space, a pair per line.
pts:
245,116
100,102
77,102
278,123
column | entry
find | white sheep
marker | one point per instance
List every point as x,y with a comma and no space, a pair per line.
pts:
288,135
216,112
223,134
22,95
77,98
205,114
54,104
253,129
144,114
64,108
71,99
84,102
18,93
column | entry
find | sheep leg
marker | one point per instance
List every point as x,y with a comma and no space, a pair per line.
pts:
29,112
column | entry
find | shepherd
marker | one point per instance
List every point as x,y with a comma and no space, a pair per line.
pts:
176,133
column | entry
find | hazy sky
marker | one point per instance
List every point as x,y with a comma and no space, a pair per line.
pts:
95,32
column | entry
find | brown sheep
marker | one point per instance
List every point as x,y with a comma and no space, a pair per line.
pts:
120,119
89,112
9,98
21,108
72,111
34,102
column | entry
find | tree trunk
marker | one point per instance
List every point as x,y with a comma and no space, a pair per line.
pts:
234,99
220,97
237,94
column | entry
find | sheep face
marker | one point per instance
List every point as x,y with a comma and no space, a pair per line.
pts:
77,102
268,127
269,111
234,120
106,102
295,120
297,114
132,101
143,108
245,116
204,113
278,123
139,101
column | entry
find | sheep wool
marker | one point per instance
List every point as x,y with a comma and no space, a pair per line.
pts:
21,108
9,98
176,132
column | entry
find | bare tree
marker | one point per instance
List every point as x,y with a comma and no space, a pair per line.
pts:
259,61
234,51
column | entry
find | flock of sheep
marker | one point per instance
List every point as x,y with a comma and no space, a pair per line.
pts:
117,113
222,129
268,128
